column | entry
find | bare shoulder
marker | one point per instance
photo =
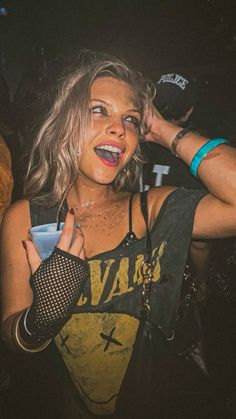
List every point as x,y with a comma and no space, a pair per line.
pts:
156,197
20,209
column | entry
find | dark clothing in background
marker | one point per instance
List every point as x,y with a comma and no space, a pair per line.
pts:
163,168
173,171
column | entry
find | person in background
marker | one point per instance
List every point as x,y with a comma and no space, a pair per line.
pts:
180,100
9,133
6,186
6,178
176,97
10,190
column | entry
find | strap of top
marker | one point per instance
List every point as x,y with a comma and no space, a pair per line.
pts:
130,213
148,242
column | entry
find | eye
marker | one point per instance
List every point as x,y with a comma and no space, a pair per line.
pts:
133,120
99,109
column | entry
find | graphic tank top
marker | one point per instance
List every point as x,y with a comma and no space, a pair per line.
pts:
97,342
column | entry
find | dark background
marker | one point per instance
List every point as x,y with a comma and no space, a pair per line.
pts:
197,36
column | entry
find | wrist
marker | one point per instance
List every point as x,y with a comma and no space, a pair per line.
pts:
175,142
7,330
11,335
23,343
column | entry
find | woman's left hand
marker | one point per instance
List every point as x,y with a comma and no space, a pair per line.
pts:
153,122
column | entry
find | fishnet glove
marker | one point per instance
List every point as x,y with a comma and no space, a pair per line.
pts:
56,286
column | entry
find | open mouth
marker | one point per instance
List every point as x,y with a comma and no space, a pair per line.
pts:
109,153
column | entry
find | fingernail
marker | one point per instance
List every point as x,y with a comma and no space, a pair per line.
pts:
72,211
24,244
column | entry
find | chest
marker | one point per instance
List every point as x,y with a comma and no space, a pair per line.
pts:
104,228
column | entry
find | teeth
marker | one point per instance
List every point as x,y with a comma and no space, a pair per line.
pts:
110,148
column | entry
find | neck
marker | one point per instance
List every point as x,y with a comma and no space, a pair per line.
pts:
86,193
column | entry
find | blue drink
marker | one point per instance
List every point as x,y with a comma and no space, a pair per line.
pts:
45,237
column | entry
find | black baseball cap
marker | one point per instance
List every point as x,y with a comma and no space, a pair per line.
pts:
175,94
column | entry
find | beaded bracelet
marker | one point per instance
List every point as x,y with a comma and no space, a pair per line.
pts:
203,151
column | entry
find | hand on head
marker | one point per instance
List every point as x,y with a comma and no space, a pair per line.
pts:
154,119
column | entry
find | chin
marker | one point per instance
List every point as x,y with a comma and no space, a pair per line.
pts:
104,181
105,177
101,176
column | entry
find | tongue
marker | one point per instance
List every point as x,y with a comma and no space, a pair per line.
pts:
107,155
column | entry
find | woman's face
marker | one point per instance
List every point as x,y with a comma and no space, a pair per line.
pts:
115,127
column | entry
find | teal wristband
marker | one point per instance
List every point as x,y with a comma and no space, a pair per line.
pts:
203,151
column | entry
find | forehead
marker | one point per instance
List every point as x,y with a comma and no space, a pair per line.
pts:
109,88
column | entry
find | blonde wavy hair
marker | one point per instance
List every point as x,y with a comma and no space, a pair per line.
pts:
53,163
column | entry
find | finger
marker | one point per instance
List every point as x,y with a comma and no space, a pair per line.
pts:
32,255
67,232
82,254
77,246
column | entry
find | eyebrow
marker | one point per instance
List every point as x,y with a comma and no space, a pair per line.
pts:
106,103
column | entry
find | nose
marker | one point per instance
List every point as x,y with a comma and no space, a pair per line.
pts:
116,127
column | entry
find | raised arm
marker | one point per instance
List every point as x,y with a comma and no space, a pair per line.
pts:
216,213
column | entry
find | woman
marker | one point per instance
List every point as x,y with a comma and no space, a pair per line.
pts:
85,161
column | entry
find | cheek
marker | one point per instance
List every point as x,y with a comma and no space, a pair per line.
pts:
97,126
133,140
94,131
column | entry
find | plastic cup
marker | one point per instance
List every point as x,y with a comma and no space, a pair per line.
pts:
45,237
